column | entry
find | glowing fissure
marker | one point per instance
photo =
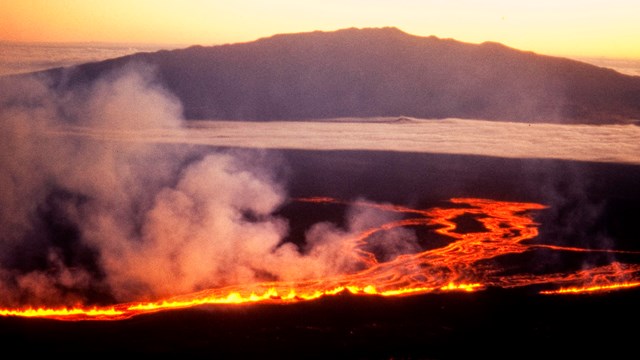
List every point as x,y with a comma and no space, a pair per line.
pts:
464,264
592,288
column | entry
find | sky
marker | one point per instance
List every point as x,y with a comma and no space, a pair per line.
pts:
606,28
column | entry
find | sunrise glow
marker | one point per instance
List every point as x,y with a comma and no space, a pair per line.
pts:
576,28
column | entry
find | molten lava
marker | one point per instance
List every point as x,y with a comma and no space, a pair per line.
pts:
466,263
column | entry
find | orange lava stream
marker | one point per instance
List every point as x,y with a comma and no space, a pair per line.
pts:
466,263
592,288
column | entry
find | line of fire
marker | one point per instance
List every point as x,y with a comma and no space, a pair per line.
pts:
466,263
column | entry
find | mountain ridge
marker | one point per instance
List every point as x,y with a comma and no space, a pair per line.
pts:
378,72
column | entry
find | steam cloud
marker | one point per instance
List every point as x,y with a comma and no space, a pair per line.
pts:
86,219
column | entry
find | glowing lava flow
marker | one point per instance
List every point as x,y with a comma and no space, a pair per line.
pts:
466,263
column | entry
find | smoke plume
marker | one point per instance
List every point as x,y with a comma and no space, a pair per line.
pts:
117,218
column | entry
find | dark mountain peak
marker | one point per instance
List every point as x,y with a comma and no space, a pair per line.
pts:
351,32
366,72
389,32
496,45
345,38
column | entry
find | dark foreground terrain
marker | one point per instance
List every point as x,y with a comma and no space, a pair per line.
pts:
493,323
590,205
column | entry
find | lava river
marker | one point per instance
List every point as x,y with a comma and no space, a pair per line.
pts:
467,262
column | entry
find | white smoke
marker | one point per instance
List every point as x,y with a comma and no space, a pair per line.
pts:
155,220
336,245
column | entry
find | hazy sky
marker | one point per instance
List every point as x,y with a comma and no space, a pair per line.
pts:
608,28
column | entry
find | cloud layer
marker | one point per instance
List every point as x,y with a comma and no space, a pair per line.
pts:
598,143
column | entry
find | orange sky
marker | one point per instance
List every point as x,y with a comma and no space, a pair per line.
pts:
607,28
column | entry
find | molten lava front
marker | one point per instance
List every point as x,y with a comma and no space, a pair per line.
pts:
465,263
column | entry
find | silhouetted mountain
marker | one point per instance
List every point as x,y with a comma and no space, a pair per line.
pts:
379,72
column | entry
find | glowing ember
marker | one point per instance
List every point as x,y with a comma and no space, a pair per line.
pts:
466,263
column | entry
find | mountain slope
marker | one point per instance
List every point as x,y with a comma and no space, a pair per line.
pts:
379,72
